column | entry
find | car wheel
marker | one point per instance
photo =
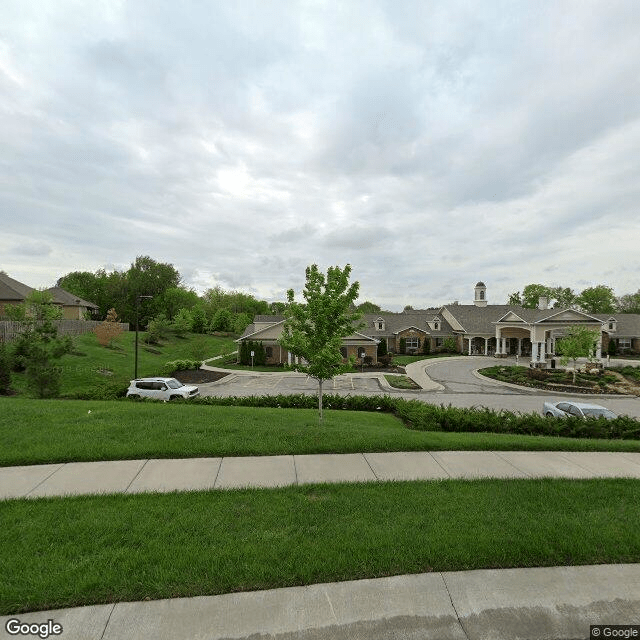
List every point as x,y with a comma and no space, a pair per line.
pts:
174,398
549,414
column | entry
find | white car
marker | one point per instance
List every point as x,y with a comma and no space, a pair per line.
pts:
577,409
161,389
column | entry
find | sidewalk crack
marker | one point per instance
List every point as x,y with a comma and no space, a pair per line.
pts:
137,474
446,586
108,620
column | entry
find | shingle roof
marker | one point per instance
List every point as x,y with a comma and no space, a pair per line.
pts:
11,289
66,298
396,322
477,320
627,324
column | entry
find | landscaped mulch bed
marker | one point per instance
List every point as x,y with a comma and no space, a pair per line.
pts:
199,376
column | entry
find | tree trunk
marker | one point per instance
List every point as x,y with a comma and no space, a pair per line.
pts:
320,399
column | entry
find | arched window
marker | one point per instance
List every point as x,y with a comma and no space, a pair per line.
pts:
481,295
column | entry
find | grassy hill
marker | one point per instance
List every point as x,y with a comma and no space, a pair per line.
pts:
101,371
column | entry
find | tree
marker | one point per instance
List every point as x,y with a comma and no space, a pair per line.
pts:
109,330
599,299
565,298
629,303
515,300
182,322
368,307
382,347
314,330
39,345
578,343
532,293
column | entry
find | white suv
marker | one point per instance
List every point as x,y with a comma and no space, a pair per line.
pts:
161,389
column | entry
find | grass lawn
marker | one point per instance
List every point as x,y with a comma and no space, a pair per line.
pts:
65,552
93,365
38,431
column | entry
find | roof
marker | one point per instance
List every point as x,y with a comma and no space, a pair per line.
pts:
627,324
11,289
396,322
61,296
478,320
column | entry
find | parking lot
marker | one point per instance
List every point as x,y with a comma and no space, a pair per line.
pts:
453,382
257,384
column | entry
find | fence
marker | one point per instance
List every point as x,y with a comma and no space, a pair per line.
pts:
11,330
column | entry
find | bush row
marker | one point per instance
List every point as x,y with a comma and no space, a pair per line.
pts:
180,365
425,417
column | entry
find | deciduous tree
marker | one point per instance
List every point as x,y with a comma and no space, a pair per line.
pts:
578,343
600,299
313,330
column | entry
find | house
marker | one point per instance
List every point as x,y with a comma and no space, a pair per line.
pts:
73,307
268,330
13,292
480,328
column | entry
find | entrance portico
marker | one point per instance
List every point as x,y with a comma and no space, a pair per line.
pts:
541,328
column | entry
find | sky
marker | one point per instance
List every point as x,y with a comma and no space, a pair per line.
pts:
429,145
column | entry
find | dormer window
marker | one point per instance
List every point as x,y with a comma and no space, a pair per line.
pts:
435,324
379,324
611,323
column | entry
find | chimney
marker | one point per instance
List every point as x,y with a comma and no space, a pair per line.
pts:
543,302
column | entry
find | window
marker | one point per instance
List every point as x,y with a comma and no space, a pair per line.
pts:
481,295
343,352
624,343
268,352
379,324
439,342
361,352
436,325
412,343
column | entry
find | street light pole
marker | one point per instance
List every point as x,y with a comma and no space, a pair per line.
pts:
138,298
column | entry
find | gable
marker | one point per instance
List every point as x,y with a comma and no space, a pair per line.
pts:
570,315
511,317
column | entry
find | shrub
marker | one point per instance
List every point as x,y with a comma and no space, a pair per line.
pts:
5,369
612,348
449,345
426,346
382,348
403,346
424,417
180,365
158,329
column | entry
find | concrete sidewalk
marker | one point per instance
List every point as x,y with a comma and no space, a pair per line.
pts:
135,476
550,603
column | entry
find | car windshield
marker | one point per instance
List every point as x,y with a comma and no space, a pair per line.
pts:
174,384
598,413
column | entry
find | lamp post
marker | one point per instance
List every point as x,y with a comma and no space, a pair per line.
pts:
138,298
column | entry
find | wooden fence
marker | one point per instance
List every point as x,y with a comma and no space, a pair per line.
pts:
11,330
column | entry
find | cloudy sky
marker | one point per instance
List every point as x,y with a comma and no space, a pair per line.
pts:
428,144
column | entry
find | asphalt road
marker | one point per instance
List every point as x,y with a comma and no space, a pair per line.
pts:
456,385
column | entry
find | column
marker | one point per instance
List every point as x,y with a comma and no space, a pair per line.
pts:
599,348
470,339
486,346
534,352
497,353
542,346
504,346
519,346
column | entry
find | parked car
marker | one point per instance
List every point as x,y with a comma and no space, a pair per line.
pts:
161,389
577,409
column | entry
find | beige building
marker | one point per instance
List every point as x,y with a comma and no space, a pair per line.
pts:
480,328
13,292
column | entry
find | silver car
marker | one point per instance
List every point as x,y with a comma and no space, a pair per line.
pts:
577,409
161,389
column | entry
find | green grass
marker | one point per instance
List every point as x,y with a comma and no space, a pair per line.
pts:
93,365
401,382
37,432
66,552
